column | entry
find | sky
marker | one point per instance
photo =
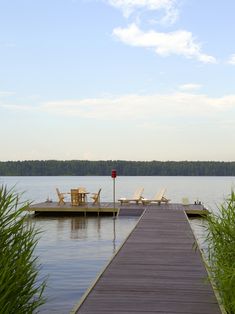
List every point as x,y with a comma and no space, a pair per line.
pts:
117,80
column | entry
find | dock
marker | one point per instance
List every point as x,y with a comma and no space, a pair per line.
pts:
157,269
47,208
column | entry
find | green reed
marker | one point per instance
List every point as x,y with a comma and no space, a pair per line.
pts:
20,290
221,249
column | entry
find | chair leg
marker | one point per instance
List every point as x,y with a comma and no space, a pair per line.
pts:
61,201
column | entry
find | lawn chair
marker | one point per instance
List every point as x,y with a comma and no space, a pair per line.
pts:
61,197
74,197
158,198
136,197
96,198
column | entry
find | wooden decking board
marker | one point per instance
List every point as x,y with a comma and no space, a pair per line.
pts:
152,287
160,236
161,295
154,282
188,257
143,304
158,276
156,271
175,240
151,270
172,247
151,298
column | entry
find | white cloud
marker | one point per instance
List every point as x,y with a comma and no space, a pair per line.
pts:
143,107
179,42
16,107
134,106
190,87
232,59
129,6
4,93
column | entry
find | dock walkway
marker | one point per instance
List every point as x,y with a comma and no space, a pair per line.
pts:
157,270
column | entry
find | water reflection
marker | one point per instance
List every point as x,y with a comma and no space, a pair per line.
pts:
200,230
73,250
78,228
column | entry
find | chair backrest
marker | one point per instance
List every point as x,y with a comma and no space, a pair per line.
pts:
58,192
160,194
82,189
60,197
74,197
74,191
138,193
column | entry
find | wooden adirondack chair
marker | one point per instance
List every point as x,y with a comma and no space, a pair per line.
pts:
158,198
96,198
74,197
60,197
136,197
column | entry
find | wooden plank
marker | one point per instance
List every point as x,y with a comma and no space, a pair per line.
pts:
156,271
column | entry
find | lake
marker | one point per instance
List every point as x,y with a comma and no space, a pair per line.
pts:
73,250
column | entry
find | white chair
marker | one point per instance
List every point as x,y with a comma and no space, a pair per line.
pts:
136,197
158,198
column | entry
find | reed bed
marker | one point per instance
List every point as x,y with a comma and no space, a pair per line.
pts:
20,290
221,251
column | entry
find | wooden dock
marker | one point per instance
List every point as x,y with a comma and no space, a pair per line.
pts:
108,208
47,208
157,270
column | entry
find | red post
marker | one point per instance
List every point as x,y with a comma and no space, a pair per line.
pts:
114,175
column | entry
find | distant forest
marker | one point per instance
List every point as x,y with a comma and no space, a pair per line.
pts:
124,168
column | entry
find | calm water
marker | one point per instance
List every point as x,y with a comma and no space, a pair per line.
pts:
210,190
73,250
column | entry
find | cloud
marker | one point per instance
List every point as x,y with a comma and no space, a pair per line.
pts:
232,59
4,93
180,42
143,107
16,107
164,44
129,6
190,87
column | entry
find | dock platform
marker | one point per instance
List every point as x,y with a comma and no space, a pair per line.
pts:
47,208
108,208
157,270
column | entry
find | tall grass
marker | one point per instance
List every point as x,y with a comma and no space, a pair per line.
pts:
221,241
20,291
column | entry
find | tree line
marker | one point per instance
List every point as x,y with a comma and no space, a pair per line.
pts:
124,168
